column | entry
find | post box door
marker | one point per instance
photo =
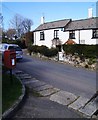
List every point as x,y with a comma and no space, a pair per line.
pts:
10,59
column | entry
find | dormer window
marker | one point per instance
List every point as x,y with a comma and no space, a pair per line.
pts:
95,33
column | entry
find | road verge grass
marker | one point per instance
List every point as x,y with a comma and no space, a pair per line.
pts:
10,91
33,92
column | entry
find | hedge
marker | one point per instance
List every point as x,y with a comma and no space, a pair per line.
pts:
43,50
18,42
83,51
88,51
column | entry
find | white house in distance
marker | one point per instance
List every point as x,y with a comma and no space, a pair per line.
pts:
50,34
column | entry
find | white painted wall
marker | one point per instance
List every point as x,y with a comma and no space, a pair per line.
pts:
63,36
49,35
77,37
85,35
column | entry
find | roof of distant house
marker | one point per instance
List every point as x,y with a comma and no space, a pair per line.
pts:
90,23
70,42
52,25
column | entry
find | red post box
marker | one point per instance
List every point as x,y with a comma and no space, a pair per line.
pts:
9,59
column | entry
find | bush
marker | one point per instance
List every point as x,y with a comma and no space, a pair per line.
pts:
90,51
43,50
35,48
47,52
30,49
87,51
91,61
18,42
52,52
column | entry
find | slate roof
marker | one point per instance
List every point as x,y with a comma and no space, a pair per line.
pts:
83,24
53,25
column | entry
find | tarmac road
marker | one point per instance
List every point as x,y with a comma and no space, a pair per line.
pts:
78,81
40,107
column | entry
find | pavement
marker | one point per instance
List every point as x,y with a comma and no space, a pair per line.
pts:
45,101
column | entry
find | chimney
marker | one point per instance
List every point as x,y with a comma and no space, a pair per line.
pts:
90,13
42,20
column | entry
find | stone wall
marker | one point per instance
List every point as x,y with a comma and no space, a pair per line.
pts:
80,62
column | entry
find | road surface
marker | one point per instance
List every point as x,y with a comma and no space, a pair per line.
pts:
78,81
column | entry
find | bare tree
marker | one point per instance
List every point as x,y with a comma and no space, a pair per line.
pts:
11,33
1,26
21,24
27,23
16,23
1,20
28,38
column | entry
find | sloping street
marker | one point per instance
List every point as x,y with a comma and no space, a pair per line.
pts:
38,104
42,101
78,81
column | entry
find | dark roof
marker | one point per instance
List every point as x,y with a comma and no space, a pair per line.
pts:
90,23
70,42
52,25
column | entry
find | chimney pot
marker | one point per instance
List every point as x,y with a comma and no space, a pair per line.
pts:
90,13
42,20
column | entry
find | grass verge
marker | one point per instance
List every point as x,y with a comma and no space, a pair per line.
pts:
33,92
10,91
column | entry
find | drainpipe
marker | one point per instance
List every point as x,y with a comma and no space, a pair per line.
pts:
35,38
79,36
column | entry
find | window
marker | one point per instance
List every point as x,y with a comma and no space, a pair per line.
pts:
42,35
72,35
56,34
62,29
16,48
95,33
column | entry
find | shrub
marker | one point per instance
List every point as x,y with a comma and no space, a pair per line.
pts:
43,50
50,52
68,49
90,51
18,42
91,61
30,49
87,51
34,48
53,52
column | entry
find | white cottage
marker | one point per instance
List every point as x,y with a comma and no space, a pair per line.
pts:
54,33
51,33
84,31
